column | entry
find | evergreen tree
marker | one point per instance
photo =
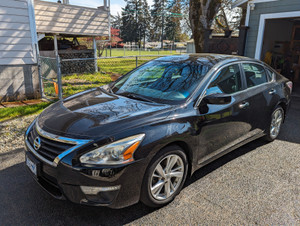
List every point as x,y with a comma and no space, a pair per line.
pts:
144,21
135,21
173,20
116,21
158,19
128,26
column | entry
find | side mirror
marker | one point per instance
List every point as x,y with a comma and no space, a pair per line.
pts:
217,98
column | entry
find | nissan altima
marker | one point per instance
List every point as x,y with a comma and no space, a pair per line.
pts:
140,137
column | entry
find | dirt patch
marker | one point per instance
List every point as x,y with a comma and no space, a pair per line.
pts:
20,103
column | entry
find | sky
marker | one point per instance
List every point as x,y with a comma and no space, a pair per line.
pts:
115,5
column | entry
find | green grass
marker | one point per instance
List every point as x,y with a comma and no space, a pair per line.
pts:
75,83
120,52
121,66
14,112
80,82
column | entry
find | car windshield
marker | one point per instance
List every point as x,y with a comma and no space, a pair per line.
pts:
164,82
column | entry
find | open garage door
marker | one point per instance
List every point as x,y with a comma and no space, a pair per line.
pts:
278,43
281,46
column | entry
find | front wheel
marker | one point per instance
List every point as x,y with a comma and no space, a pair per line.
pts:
164,177
275,125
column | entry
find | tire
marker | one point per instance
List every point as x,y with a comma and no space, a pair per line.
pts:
163,194
276,121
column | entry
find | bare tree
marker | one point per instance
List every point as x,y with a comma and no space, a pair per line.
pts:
227,19
202,14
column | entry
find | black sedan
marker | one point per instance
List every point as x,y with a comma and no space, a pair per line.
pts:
140,137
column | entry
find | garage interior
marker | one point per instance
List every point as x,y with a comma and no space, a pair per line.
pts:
281,47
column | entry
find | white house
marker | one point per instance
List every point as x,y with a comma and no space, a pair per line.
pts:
18,58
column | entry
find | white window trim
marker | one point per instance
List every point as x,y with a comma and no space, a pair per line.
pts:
241,2
261,28
237,4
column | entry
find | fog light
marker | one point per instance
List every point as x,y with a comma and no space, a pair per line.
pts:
89,190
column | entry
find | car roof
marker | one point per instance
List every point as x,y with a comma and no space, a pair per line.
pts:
204,58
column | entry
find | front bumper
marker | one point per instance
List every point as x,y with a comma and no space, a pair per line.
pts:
119,185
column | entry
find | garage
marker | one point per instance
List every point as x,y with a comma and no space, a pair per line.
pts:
280,46
274,35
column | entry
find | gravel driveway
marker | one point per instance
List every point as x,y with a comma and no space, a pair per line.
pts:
258,183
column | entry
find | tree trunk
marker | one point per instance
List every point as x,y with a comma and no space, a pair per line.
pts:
202,13
244,13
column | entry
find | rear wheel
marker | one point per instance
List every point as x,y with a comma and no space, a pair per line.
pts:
165,177
275,125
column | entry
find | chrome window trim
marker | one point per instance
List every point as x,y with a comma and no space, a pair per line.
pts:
226,65
76,142
208,74
215,73
268,68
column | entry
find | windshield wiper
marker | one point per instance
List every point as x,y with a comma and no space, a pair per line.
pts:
137,97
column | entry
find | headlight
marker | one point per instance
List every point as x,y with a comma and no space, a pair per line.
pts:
119,152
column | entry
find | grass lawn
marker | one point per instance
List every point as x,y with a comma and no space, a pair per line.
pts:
75,83
79,82
121,65
13,112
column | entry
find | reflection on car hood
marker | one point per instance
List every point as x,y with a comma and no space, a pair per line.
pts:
95,113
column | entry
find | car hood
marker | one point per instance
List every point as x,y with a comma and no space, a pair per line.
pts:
96,113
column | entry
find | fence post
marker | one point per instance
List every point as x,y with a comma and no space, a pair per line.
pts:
95,53
242,40
207,37
136,61
38,59
59,77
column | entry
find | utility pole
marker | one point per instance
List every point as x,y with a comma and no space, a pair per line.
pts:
162,24
162,31
136,21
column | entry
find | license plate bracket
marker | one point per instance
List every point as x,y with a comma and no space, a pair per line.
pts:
33,165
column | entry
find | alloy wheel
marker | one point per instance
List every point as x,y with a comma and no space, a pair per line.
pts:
167,177
277,119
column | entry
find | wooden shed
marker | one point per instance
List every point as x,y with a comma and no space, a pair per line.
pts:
58,18
59,21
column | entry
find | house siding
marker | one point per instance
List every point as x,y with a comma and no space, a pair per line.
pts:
18,68
69,19
15,34
265,8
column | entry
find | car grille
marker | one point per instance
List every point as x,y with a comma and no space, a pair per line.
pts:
49,149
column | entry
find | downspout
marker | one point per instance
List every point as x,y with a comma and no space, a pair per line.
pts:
109,23
34,39
248,14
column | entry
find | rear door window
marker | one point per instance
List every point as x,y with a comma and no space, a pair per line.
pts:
227,81
255,74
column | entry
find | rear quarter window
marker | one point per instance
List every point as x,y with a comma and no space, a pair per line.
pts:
255,74
271,74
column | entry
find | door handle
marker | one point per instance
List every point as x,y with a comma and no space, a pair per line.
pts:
272,91
244,105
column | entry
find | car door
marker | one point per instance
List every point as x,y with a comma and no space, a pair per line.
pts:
223,126
262,96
